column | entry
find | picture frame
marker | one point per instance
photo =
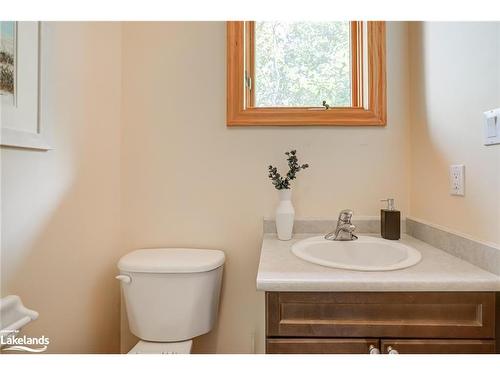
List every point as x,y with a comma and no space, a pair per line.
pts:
20,103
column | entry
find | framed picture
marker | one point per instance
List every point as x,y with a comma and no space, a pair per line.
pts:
20,85
8,37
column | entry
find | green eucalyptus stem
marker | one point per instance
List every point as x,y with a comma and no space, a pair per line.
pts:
280,182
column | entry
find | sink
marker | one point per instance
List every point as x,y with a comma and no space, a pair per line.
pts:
364,254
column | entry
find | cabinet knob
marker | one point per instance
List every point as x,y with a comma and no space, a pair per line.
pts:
373,350
391,350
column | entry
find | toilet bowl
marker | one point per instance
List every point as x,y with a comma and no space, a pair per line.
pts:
171,296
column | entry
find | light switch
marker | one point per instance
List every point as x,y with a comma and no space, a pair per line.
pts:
492,127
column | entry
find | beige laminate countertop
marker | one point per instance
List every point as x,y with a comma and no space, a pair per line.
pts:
281,270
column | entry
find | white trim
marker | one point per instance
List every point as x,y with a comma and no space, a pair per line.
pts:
23,139
16,68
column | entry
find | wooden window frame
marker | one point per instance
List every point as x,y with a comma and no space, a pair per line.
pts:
368,83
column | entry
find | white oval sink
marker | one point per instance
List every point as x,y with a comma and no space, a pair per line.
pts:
364,254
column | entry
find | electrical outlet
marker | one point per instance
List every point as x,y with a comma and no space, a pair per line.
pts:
457,179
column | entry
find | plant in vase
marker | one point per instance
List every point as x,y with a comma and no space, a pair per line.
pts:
285,212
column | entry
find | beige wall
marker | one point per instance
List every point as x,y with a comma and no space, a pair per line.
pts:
60,209
143,158
188,180
455,76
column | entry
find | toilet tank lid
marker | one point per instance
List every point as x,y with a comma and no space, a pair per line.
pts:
173,260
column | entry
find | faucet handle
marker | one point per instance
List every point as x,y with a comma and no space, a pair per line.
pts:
345,216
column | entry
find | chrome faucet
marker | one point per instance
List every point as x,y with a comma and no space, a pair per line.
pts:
344,230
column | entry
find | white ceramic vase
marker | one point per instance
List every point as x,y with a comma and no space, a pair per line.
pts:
285,214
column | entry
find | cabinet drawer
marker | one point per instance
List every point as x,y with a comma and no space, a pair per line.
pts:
439,346
320,346
394,314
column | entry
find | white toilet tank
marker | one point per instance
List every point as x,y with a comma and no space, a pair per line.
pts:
171,294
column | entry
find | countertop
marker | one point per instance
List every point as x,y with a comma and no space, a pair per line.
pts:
281,270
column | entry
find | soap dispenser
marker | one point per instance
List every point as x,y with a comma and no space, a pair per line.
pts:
390,221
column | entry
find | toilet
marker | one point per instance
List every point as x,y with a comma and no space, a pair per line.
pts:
171,296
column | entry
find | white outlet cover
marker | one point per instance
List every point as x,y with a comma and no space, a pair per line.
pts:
457,179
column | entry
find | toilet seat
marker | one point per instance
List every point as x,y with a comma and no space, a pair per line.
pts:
149,347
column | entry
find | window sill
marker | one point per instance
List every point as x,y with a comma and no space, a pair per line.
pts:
305,117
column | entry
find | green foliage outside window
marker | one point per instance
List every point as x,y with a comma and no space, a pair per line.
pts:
301,64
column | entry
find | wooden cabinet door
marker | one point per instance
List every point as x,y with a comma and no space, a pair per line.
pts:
437,346
320,346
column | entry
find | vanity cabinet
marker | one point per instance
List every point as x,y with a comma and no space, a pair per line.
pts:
413,322
320,346
436,346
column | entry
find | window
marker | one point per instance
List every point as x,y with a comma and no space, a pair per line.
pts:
306,73
299,64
